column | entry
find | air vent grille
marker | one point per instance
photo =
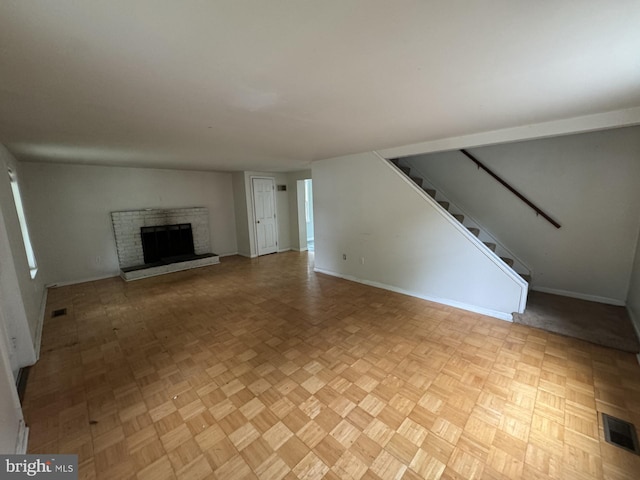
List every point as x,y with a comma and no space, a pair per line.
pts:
59,313
620,433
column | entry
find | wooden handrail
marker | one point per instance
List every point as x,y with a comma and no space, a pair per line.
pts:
511,189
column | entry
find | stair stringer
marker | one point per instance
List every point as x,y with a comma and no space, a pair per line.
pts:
485,236
476,242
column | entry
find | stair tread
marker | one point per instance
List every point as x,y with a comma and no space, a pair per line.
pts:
458,217
417,180
406,170
491,246
507,260
444,204
395,161
475,231
431,192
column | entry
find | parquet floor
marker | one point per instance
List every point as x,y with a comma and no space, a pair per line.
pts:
263,369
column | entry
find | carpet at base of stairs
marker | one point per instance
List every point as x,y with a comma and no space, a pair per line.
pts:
598,323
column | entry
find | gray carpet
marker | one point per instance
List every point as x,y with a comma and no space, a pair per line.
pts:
598,323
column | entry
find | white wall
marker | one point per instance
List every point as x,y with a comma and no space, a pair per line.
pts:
241,208
70,208
22,296
366,210
588,183
633,297
282,210
21,342
11,419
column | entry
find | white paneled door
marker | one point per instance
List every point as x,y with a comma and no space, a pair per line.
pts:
264,207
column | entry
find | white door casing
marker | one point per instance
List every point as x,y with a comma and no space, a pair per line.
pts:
264,209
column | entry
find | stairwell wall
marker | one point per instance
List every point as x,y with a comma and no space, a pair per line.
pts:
393,237
588,183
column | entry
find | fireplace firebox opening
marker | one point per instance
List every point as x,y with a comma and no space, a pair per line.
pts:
167,243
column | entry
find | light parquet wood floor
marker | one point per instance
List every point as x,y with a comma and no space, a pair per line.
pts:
263,369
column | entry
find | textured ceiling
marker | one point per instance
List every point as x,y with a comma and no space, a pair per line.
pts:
274,85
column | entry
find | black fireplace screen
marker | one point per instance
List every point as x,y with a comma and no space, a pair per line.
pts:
164,242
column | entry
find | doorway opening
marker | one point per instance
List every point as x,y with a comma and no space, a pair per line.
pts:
304,203
308,214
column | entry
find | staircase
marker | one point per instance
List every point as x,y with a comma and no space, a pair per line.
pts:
472,226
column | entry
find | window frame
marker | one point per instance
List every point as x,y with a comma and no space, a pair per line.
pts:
22,220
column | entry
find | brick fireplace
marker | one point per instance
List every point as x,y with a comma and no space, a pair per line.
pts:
129,225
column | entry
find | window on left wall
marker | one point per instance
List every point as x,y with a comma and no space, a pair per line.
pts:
31,258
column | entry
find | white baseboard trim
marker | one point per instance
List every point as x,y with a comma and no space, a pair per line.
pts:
43,309
228,254
580,296
85,280
23,438
284,250
300,249
444,301
247,255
